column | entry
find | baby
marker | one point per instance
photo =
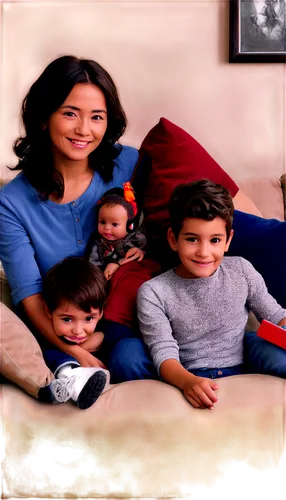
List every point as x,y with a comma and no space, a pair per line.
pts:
116,242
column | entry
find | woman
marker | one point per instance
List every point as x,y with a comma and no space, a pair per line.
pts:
69,156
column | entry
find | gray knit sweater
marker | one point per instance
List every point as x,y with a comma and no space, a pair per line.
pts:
200,322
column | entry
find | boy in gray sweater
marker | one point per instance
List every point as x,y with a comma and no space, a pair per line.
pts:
193,317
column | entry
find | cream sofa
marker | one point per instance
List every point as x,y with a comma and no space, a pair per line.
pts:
142,439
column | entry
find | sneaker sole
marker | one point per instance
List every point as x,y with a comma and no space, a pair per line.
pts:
92,390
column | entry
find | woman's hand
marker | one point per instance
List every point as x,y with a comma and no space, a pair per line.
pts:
133,254
85,358
200,392
110,270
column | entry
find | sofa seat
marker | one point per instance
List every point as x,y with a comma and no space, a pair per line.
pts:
143,439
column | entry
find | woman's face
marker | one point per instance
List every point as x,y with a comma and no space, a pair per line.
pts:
78,126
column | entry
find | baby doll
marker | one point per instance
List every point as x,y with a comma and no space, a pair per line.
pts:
116,241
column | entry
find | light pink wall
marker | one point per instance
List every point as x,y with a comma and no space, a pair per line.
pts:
168,59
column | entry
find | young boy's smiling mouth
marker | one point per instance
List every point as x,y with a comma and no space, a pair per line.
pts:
202,263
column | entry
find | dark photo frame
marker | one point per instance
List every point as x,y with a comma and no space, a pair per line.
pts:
257,31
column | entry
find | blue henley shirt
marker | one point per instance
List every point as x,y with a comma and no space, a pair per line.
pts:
37,234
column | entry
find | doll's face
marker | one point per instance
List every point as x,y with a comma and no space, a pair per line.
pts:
112,220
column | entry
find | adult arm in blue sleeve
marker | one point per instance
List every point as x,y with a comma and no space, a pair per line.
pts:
18,256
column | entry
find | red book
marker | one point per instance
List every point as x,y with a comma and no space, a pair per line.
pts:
273,333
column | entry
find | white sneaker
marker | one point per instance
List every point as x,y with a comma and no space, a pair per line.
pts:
84,386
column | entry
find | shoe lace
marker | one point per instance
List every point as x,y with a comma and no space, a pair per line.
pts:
62,388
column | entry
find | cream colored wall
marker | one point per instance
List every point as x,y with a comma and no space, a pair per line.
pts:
168,58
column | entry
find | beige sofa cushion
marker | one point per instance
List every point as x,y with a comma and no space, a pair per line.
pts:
266,194
20,354
243,203
143,439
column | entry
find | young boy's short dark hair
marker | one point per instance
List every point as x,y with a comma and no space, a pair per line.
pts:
76,281
201,199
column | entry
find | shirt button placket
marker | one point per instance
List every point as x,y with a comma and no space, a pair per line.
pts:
76,217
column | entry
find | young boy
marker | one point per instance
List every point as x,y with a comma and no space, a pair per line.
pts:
74,292
193,317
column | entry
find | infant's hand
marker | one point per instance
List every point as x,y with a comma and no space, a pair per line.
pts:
133,254
93,343
200,392
110,270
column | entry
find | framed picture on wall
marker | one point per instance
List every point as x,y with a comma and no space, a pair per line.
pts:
257,31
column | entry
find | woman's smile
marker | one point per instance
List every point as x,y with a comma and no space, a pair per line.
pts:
79,144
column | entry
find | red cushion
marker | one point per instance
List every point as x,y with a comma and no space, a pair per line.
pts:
121,301
176,158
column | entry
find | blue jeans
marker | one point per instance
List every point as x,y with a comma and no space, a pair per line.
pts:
260,356
56,359
219,372
263,357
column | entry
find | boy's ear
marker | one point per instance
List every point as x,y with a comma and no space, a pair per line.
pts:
100,315
229,240
172,239
47,311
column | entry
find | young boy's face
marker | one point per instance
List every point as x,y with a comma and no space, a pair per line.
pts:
74,324
200,245
112,222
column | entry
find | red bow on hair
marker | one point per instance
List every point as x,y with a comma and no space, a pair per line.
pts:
129,196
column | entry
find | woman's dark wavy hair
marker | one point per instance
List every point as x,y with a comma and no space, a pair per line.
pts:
45,96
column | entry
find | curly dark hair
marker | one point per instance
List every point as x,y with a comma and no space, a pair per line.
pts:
45,96
201,199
